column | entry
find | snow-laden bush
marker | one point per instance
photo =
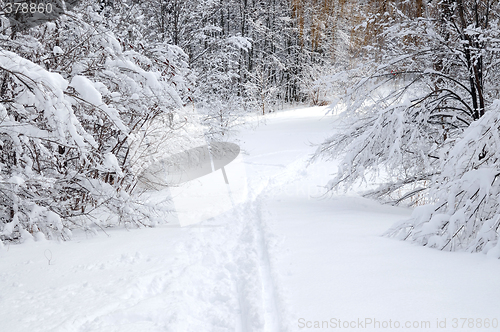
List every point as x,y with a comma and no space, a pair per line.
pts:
38,126
422,118
386,135
465,213
69,119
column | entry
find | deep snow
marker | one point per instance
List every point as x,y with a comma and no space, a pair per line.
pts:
284,258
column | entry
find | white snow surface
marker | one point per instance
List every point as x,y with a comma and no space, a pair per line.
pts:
282,260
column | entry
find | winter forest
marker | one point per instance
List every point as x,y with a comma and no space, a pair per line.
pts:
96,96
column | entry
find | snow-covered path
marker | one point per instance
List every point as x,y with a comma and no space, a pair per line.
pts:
283,260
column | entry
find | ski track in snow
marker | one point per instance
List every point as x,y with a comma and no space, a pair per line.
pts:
257,266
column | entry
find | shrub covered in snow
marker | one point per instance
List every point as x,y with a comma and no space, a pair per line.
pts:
464,214
423,116
73,105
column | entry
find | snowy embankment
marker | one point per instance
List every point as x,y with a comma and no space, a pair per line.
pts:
283,260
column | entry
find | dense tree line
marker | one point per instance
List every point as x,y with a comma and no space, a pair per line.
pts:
250,54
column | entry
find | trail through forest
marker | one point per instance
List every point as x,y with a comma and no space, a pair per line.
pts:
284,259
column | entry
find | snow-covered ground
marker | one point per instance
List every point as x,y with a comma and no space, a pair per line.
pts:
284,259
